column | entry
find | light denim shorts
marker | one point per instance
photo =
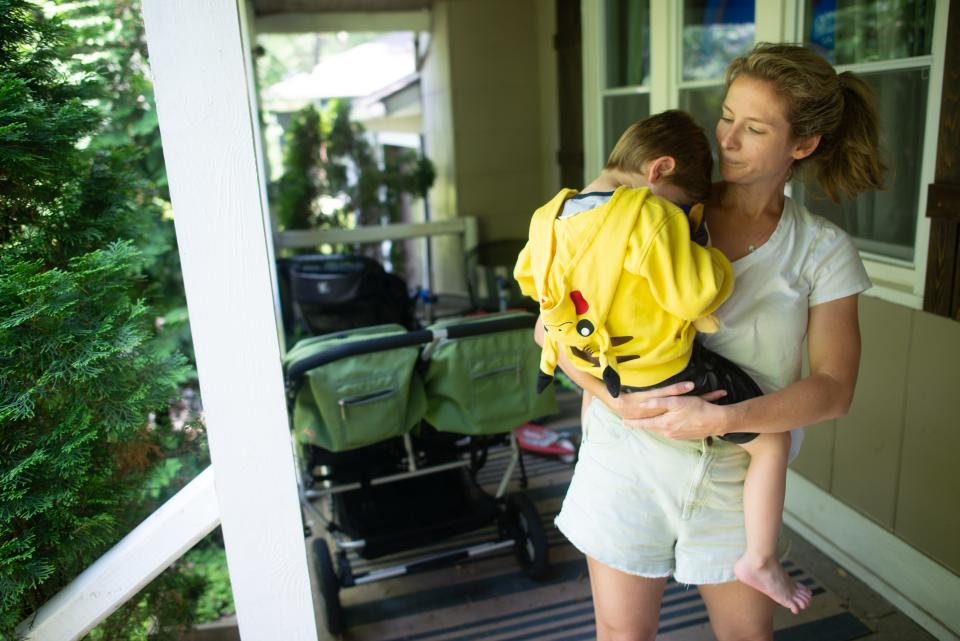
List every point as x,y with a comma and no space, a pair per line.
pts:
652,507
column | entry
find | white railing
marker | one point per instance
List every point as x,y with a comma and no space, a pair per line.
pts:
465,226
129,565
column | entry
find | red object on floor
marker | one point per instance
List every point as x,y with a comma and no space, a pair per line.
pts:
541,440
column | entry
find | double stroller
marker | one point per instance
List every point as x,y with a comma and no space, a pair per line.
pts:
391,427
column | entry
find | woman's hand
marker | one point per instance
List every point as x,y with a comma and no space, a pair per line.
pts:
664,410
679,417
640,405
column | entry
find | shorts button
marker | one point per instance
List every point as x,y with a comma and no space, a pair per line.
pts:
709,440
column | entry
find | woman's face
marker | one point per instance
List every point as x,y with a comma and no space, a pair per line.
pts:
755,140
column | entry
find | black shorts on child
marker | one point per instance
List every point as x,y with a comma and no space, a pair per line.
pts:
710,372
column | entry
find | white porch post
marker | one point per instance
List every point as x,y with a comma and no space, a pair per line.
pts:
208,129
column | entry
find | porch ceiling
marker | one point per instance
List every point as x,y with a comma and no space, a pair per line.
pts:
274,7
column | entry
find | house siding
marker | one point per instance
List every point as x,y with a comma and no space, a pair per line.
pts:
892,457
482,103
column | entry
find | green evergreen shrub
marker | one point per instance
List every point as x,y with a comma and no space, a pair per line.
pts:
108,42
302,182
80,369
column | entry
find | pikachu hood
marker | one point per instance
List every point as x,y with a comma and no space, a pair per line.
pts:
619,287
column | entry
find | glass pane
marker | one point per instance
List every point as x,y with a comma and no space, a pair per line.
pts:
704,104
619,112
714,33
628,43
885,222
851,31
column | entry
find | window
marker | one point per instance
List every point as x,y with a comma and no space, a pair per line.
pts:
649,55
714,33
888,43
626,89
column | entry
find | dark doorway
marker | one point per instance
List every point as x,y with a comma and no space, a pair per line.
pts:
567,44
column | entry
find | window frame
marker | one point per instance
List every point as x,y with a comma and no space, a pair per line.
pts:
897,281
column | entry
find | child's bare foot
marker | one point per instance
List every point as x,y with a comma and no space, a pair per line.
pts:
769,577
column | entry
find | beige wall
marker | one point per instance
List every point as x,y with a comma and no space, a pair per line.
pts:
437,110
487,119
894,456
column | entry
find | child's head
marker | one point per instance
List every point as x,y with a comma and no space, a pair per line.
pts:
671,134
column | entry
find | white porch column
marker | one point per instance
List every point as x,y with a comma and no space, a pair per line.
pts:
209,144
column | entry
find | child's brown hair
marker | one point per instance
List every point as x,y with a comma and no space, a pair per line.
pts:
670,133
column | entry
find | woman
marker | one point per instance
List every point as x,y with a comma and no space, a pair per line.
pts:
653,493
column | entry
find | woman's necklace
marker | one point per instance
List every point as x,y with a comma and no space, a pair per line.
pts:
759,232
766,230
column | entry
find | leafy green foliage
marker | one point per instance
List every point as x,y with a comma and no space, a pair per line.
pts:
337,162
109,44
302,182
209,563
108,47
80,369
332,177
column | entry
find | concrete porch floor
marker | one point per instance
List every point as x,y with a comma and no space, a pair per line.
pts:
886,622
846,593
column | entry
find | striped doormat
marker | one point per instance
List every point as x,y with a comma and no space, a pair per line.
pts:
488,598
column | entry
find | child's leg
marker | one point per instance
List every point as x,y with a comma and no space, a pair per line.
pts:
763,491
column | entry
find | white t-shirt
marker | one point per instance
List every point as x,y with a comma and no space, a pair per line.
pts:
805,262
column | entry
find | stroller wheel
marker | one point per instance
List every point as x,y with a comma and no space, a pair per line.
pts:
524,525
329,586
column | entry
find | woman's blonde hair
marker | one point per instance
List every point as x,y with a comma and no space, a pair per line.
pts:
841,108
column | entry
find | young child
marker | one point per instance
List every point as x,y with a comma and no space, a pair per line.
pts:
622,290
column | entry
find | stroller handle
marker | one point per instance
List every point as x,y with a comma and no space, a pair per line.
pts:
296,370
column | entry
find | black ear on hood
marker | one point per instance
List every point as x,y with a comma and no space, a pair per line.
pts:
612,380
543,381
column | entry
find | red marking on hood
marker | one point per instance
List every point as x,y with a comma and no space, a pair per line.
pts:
579,302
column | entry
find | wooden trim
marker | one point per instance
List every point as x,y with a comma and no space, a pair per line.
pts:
306,239
948,147
319,22
568,70
662,93
550,104
249,36
208,125
921,588
769,19
129,565
592,31
942,290
921,241
941,267
943,202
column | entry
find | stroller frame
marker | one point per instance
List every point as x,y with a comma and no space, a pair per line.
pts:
519,526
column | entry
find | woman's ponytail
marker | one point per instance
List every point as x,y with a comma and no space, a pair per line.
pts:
849,159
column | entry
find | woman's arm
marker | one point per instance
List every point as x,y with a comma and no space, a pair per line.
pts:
833,347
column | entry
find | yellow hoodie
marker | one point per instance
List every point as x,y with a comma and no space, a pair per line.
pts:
619,287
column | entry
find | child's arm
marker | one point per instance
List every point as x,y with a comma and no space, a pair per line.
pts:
523,273
687,280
